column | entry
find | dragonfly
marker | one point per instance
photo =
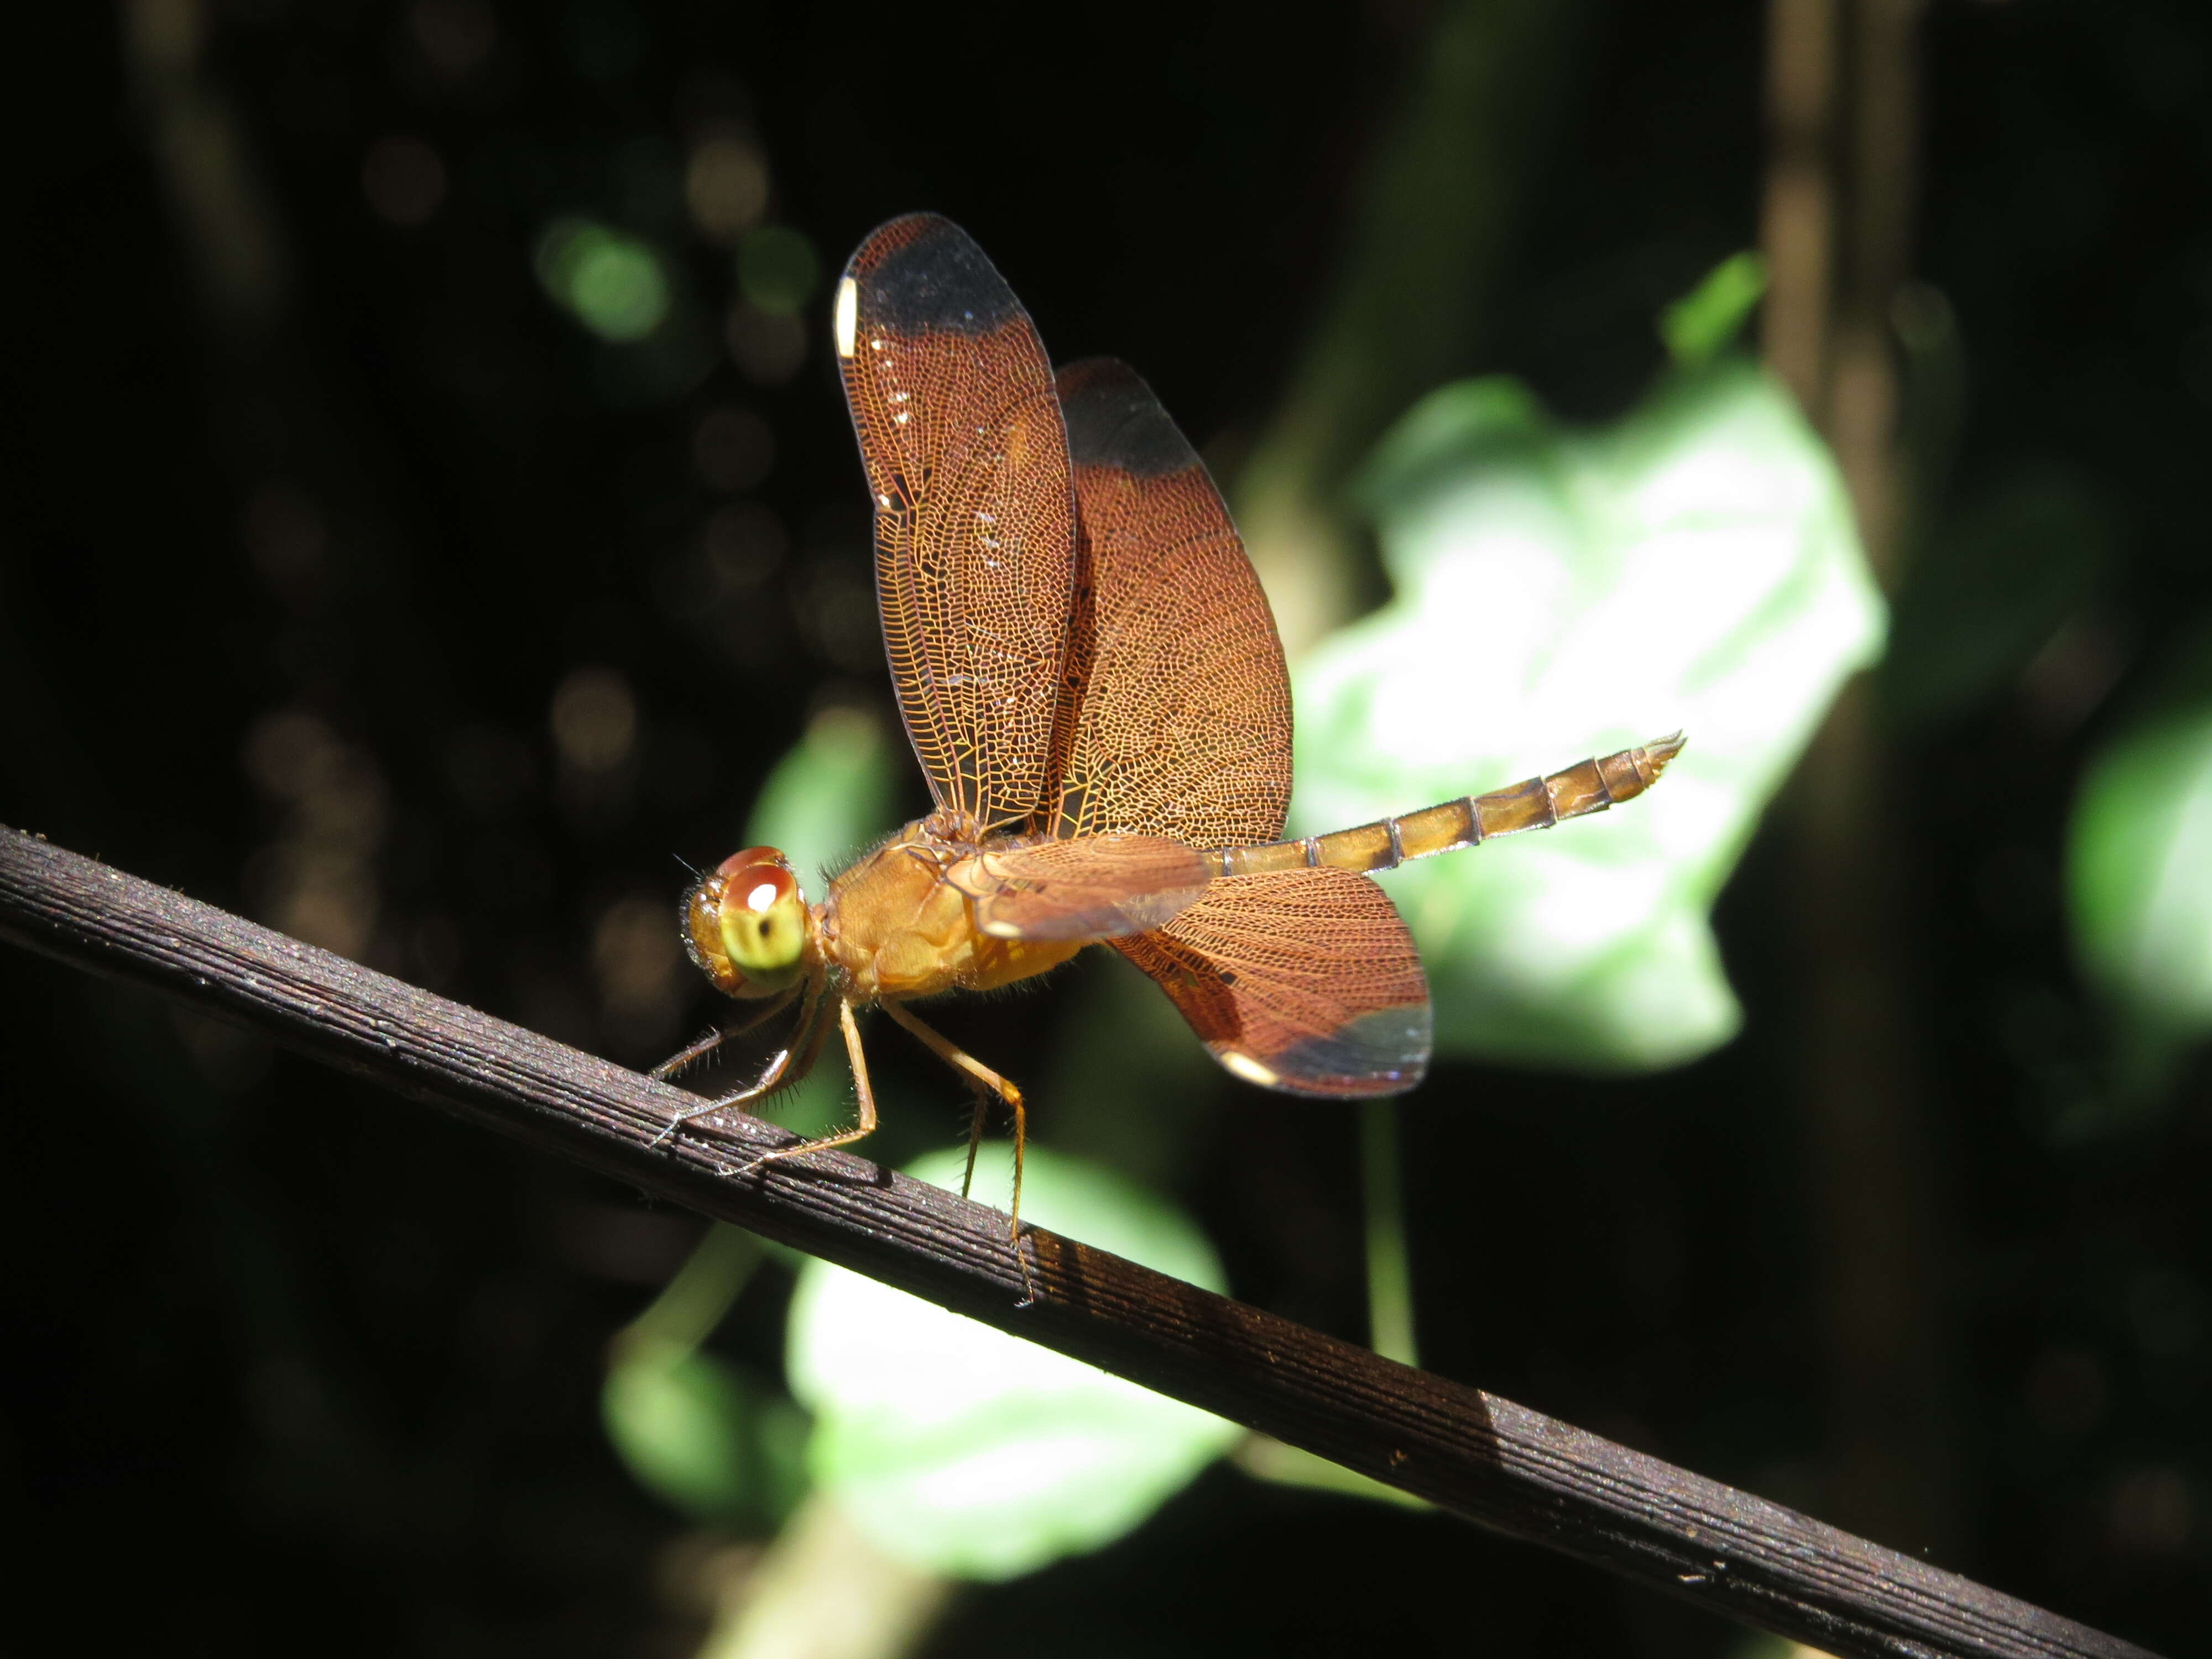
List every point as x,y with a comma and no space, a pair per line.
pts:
1090,678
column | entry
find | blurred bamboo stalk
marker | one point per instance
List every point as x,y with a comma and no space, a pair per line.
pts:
200,149
1389,1266
823,1591
1841,97
1436,207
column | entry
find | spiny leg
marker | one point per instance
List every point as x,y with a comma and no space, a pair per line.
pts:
866,1125
715,1038
801,1036
959,1058
974,1135
683,1057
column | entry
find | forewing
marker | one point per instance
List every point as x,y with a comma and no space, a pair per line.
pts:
952,399
1177,714
1304,980
1099,887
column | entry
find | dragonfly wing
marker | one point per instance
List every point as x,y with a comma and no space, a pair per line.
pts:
952,398
1095,887
1177,717
1305,981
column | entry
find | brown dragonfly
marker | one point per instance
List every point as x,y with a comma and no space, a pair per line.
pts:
1090,678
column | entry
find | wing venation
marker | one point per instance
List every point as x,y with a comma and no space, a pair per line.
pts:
1099,887
1303,981
1177,716
959,426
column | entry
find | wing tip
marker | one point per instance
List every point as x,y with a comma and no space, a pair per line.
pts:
921,273
1349,1065
1115,420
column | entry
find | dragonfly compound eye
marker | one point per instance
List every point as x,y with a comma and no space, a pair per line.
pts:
745,924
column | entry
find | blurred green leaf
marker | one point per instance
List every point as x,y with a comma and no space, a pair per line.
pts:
1704,322
715,1442
1988,591
1265,1458
692,1303
829,797
2139,873
614,282
1561,594
959,1449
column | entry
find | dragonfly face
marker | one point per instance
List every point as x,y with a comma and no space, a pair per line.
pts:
745,925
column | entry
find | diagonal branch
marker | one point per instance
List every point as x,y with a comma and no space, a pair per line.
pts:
1481,1457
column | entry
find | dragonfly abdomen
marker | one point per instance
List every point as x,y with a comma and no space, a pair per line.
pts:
1587,787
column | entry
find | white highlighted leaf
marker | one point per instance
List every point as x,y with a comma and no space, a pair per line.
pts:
959,1449
1561,594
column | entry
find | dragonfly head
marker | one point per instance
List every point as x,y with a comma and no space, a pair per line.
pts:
745,924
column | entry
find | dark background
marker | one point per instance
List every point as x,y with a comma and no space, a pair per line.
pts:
310,522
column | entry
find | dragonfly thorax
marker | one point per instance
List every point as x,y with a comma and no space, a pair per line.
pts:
895,927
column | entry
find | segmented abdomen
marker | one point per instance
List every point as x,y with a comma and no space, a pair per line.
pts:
1589,786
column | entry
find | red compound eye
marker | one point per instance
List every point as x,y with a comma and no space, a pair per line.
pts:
756,880
745,925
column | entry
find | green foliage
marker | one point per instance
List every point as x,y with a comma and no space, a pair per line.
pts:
960,1449
829,797
1264,1458
1562,592
2139,872
716,1442
1704,322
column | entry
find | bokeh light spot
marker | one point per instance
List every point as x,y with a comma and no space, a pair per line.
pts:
404,180
594,720
726,186
637,961
768,347
288,542
316,879
614,282
455,36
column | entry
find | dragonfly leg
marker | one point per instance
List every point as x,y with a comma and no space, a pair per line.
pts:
805,1044
866,1125
982,1077
715,1038
974,1135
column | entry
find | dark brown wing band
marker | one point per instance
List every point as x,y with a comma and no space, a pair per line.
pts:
1177,719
